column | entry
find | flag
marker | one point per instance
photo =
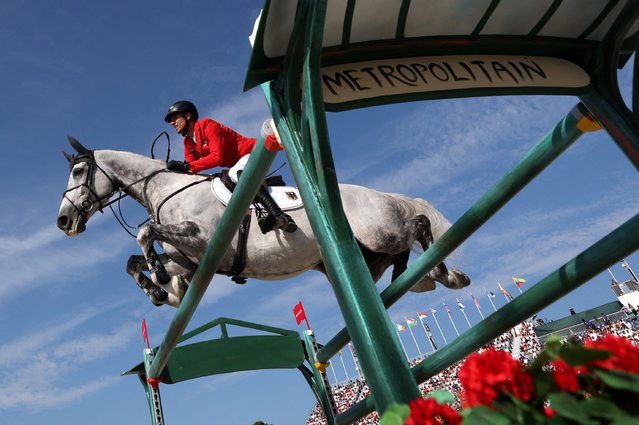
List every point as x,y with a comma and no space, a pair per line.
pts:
299,313
432,310
145,335
422,316
461,306
447,309
489,293
410,322
519,281
503,291
475,300
400,327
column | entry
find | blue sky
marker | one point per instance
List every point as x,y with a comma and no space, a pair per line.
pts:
106,72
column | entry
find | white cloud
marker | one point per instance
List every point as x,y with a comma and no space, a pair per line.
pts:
39,363
244,113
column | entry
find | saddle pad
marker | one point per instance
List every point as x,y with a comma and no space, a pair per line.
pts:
287,197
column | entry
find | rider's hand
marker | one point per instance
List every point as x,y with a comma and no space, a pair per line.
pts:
178,166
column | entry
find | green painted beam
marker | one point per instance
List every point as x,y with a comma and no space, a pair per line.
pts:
538,158
305,138
252,177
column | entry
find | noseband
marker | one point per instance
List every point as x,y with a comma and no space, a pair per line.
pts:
87,204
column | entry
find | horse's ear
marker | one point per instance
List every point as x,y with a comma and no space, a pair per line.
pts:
67,156
77,145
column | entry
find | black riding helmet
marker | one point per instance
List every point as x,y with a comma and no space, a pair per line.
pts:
182,107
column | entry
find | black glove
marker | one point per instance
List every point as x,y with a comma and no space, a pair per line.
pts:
178,166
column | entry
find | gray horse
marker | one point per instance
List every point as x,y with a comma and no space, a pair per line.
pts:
184,214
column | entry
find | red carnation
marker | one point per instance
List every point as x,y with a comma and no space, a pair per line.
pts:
625,355
565,376
429,412
484,376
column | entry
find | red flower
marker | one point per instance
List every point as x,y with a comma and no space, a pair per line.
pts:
625,355
429,412
565,376
484,376
549,412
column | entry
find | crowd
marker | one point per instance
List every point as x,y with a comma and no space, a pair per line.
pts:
520,341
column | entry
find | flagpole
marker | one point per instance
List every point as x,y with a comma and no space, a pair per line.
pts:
403,348
613,276
415,341
356,361
462,308
428,335
334,374
517,282
503,292
439,327
344,366
477,306
450,316
490,299
466,317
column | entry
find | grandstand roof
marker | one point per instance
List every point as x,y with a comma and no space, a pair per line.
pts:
576,319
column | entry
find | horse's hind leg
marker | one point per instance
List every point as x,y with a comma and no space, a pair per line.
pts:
136,266
453,278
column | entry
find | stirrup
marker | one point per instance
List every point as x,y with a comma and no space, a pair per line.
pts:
271,222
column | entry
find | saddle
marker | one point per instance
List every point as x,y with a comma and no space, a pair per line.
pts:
287,197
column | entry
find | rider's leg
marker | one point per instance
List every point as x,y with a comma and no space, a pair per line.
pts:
274,218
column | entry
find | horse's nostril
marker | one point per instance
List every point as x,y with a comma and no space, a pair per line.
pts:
62,221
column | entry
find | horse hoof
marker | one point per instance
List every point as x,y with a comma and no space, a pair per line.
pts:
157,296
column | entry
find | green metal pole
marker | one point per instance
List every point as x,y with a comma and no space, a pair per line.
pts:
620,123
387,374
620,243
538,158
378,349
252,176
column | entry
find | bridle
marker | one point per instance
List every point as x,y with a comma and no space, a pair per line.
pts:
87,204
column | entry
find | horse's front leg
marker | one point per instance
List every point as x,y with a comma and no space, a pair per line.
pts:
136,266
182,236
170,294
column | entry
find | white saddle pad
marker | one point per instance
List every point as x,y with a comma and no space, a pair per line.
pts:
287,197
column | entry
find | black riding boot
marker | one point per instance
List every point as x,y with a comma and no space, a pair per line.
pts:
274,218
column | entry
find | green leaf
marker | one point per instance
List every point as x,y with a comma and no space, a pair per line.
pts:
482,415
577,355
507,408
600,408
619,379
441,396
569,407
527,409
396,414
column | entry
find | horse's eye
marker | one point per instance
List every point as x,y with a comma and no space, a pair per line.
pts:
77,172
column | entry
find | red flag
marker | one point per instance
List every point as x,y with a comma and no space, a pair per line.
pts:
300,315
145,335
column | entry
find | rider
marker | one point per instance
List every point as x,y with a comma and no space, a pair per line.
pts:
209,144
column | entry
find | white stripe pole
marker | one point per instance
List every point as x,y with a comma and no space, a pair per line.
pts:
415,341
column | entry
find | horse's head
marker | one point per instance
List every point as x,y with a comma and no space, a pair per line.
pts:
89,189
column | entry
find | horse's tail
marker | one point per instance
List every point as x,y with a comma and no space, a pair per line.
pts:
412,207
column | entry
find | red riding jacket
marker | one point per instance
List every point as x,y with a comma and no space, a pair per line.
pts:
217,146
